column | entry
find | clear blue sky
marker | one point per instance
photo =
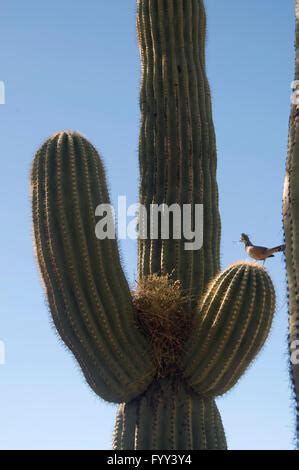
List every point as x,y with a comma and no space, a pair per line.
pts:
75,65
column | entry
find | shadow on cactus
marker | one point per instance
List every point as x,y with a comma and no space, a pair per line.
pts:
188,331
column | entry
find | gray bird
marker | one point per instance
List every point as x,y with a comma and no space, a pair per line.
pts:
259,252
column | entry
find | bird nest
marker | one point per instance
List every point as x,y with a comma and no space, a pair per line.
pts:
164,317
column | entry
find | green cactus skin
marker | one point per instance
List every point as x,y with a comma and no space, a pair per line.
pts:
291,231
233,321
88,294
169,416
177,148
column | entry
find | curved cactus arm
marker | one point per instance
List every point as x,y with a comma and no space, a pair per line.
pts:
87,291
177,146
231,326
291,231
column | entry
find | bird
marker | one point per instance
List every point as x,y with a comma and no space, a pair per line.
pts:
260,253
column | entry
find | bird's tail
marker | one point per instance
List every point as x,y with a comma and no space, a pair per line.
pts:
276,249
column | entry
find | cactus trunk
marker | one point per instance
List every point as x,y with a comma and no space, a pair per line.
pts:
177,148
169,416
291,231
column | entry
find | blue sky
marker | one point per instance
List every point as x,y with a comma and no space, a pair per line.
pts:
75,65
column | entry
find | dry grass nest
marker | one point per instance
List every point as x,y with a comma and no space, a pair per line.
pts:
164,317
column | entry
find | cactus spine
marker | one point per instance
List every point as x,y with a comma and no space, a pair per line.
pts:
291,231
168,403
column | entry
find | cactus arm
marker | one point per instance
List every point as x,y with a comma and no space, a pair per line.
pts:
88,294
291,232
231,326
177,142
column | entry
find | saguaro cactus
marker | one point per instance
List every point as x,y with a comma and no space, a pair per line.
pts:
291,231
187,332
